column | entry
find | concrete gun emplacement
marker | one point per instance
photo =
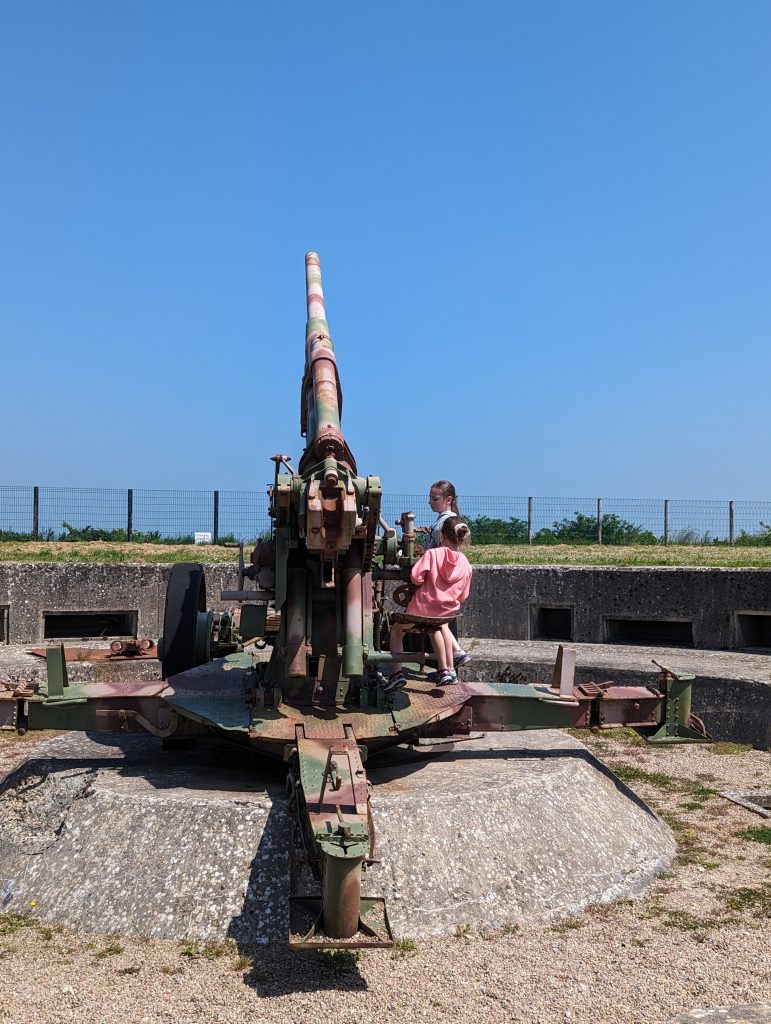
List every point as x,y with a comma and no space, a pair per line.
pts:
315,593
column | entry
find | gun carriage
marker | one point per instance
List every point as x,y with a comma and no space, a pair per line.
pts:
316,592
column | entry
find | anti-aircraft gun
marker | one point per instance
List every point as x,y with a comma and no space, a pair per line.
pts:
316,589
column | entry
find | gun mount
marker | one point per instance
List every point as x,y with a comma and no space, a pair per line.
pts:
315,592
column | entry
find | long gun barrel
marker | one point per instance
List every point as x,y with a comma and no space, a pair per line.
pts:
322,396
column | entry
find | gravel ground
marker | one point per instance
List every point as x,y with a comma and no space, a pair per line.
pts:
700,937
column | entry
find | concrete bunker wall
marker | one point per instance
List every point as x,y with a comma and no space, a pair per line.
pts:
719,609
126,598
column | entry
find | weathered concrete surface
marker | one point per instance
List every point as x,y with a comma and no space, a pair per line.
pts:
18,665
747,1013
732,691
504,598
503,603
119,837
29,589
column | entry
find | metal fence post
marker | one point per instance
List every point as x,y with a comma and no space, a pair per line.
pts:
216,530
129,513
599,520
730,522
666,521
35,513
529,520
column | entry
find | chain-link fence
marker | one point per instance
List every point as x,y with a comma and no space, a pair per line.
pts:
167,516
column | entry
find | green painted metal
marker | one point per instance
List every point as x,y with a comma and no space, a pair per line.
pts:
678,725
56,671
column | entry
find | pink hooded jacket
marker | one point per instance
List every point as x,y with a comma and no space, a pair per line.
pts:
443,578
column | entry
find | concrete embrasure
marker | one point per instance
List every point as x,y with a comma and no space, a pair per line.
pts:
118,836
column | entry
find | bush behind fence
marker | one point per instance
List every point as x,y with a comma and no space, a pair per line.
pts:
167,516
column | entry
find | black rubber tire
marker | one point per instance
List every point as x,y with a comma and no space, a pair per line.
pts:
185,598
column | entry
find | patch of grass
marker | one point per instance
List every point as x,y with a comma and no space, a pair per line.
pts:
208,950
568,925
703,793
628,737
723,747
595,554
629,773
462,931
114,949
404,947
11,923
758,901
604,910
650,911
689,849
699,795
686,922
243,962
755,835
510,929
112,551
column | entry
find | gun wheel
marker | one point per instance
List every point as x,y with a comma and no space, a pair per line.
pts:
187,626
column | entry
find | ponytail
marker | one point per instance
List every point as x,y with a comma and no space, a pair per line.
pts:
456,532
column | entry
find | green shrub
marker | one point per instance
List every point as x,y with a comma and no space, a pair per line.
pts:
582,529
485,530
762,539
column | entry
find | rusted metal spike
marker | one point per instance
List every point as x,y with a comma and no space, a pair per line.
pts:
666,671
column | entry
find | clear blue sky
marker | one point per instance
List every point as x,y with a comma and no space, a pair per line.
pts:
545,234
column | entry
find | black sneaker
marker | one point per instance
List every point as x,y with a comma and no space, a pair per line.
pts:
395,682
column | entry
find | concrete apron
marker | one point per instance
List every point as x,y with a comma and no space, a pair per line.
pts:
731,692
113,835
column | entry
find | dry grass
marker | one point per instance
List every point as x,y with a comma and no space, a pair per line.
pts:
108,551
483,554
595,554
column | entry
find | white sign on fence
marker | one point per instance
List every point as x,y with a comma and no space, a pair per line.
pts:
202,538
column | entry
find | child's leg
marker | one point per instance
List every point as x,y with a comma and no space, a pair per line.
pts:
396,640
440,650
397,678
449,639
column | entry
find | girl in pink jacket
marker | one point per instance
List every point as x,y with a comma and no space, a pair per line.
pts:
443,580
